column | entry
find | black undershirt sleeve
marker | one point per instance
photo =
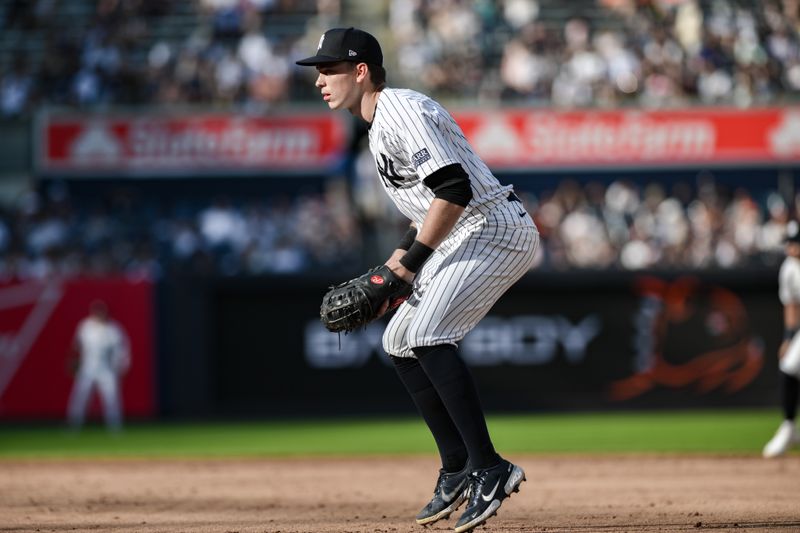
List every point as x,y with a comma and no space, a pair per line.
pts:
451,183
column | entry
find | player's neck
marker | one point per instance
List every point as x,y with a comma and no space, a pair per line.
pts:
369,103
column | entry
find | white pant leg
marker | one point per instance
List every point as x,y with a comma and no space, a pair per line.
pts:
790,362
108,385
79,399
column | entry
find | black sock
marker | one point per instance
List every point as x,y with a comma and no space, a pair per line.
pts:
453,381
789,396
448,440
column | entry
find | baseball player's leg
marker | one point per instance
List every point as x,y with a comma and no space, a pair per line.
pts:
465,286
791,388
451,486
79,400
491,478
109,394
452,380
448,440
789,364
787,433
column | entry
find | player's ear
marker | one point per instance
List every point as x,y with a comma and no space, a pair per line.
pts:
362,72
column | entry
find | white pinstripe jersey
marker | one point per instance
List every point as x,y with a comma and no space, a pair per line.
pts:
789,281
411,137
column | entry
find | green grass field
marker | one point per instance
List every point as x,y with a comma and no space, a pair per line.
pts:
691,432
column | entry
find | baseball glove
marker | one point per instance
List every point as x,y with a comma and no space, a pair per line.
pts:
355,303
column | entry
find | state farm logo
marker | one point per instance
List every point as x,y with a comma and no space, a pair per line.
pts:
96,144
497,139
784,139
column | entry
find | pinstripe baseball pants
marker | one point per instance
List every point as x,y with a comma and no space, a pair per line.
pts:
463,279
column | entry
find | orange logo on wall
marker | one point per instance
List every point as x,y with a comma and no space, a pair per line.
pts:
711,320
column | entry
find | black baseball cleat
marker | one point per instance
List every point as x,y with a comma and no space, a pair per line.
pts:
488,488
449,494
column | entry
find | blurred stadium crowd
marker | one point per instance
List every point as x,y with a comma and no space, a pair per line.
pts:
93,54
655,53
618,52
592,226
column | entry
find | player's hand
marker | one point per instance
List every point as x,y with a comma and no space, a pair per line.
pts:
400,271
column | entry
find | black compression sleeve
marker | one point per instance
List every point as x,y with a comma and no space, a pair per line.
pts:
451,183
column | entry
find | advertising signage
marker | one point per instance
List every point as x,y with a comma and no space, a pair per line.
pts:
530,140
189,145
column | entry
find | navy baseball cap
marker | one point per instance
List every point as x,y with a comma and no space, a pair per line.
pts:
346,44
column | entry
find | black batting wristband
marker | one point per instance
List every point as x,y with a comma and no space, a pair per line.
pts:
416,256
789,333
408,239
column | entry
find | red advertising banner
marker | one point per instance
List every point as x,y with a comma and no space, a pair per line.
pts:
189,144
38,321
527,139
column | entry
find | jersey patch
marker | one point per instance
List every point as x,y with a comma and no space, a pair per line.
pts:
420,157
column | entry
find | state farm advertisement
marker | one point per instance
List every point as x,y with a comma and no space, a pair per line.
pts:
189,144
525,139
41,363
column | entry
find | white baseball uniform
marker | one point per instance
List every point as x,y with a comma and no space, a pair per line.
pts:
104,355
789,293
490,247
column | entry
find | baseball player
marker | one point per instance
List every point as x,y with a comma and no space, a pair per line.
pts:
789,352
469,240
104,356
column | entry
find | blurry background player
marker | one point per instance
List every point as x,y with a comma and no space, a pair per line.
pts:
470,240
789,353
102,348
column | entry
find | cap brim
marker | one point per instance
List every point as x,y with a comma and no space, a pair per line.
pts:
318,60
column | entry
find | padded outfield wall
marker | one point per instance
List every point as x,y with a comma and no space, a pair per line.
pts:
255,347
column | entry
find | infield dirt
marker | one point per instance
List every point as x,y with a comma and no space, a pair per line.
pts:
382,495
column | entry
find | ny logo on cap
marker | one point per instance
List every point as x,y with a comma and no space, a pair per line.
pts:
320,42
352,53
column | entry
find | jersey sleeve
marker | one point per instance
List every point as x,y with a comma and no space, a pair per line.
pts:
425,138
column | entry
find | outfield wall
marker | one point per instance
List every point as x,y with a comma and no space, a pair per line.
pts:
38,359
254,347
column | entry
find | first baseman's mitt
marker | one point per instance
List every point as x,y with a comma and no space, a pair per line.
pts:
356,303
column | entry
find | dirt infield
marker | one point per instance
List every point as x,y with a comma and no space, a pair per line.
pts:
379,495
